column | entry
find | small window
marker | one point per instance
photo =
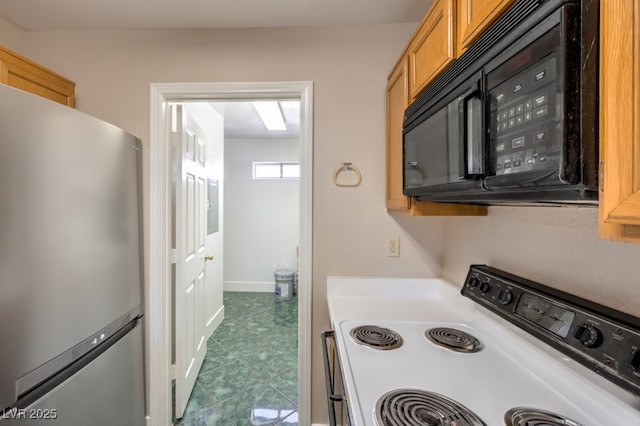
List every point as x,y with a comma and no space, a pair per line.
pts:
272,170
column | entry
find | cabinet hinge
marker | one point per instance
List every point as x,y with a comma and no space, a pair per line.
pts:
601,177
173,255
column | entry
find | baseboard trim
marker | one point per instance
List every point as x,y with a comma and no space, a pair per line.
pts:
250,286
215,321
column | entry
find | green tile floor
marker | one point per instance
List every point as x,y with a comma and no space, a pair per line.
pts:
250,373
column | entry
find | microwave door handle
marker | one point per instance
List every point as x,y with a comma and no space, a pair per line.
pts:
467,137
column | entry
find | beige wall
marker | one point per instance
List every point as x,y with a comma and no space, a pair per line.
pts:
555,246
11,37
348,66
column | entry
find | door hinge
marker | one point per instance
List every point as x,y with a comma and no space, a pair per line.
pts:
174,371
174,255
174,118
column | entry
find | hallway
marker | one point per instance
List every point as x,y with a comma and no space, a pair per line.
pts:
250,373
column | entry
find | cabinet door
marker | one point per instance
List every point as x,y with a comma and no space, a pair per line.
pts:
474,16
619,198
397,102
21,73
432,48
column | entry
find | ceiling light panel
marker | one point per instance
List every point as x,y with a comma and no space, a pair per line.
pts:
270,114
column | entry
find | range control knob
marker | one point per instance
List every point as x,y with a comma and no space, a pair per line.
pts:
588,335
473,282
505,297
485,286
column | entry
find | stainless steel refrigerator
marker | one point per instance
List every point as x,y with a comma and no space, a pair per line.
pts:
71,342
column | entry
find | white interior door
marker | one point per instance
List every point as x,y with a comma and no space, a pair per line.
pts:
213,245
210,124
190,340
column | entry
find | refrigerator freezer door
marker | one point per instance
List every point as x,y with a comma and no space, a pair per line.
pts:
70,246
109,391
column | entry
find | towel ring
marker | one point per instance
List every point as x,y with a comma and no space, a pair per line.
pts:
347,167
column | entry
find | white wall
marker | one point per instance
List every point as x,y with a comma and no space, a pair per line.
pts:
349,68
262,226
558,247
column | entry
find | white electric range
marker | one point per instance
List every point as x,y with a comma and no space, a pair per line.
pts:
508,352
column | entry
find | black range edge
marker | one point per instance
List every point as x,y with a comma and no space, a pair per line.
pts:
602,339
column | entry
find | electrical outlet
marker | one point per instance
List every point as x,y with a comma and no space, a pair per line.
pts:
393,246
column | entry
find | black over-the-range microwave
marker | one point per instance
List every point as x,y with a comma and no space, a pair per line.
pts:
515,119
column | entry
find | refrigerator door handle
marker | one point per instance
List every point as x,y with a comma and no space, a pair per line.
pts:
32,379
33,396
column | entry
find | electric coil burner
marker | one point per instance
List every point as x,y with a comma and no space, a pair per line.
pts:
524,416
376,337
415,407
454,339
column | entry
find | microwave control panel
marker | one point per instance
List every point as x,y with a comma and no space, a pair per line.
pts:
523,117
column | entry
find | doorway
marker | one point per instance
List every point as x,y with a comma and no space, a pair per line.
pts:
158,312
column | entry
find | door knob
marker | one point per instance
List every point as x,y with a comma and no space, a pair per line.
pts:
208,257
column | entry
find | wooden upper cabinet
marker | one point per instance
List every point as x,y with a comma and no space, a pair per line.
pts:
474,16
619,198
397,102
23,74
432,48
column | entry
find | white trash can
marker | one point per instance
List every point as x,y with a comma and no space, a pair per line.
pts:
284,283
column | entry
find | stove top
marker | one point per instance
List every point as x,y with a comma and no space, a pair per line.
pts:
482,369
505,374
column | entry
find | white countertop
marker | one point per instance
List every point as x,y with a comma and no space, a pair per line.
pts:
411,299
